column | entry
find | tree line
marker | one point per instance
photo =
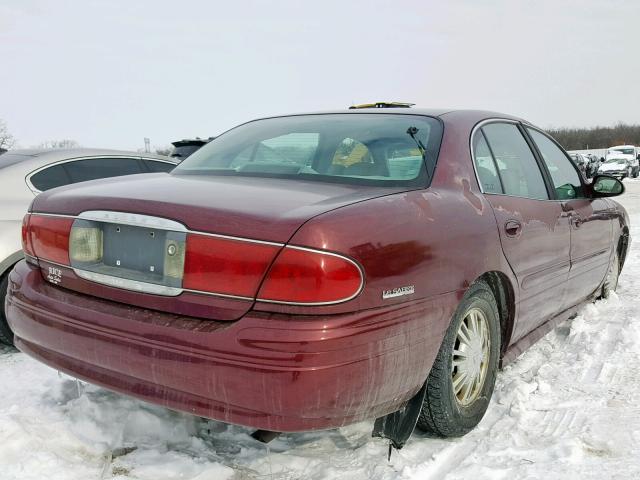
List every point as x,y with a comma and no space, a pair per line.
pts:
596,137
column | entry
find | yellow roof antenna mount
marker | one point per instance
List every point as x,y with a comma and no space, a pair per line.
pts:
383,105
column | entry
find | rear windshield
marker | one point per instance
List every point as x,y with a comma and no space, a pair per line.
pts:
369,149
624,151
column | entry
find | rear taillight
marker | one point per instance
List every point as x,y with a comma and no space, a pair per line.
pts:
310,277
168,262
49,238
226,266
27,247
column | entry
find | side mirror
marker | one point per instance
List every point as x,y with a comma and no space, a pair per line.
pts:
605,186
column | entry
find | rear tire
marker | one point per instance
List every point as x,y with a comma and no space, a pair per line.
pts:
611,280
463,375
6,335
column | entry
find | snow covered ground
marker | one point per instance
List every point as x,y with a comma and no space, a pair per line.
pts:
566,409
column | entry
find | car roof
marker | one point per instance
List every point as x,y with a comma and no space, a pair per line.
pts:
468,114
63,153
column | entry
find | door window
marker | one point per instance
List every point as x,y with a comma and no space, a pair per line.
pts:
51,177
93,169
485,166
566,180
518,168
154,166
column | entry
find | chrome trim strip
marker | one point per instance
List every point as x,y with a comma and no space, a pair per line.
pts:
133,219
222,295
127,284
55,215
312,304
237,239
53,263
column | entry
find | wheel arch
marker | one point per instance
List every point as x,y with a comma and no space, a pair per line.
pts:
505,298
8,263
623,245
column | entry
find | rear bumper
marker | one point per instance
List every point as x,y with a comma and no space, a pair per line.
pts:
268,371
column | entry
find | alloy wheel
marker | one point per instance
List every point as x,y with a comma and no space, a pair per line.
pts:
470,357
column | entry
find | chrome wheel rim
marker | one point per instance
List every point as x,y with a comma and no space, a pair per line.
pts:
470,357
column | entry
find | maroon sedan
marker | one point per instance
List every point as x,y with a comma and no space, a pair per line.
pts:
309,271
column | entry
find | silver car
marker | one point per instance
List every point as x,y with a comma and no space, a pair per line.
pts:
25,173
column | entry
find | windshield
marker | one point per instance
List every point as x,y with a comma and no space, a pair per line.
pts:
621,161
368,149
625,151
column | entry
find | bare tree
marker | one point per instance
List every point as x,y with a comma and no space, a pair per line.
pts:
166,150
64,143
6,139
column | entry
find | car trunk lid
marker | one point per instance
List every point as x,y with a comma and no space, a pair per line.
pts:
142,221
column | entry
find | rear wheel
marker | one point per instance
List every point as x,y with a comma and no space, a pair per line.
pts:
463,375
6,335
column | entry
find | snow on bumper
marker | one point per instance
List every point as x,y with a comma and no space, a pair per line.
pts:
276,372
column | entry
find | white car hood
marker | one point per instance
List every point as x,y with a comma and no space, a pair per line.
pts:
608,167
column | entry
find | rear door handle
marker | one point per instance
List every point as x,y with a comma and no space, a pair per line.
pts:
512,228
577,220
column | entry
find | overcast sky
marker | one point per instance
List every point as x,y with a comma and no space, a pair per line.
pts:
108,73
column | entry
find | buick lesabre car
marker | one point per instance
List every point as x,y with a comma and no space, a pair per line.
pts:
309,271
26,173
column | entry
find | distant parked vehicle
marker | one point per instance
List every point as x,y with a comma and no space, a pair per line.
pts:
629,153
184,148
615,167
592,165
2,150
581,162
26,173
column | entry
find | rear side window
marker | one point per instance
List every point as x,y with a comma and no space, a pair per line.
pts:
52,177
93,169
485,166
566,180
517,167
154,166
90,169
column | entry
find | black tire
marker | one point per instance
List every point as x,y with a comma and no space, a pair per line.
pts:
442,413
611,280
6,335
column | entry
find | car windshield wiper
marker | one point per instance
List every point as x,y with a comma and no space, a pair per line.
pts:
412,131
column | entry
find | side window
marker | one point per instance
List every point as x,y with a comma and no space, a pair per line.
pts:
517,166
154,166
51,177
92,169
485,166
566,180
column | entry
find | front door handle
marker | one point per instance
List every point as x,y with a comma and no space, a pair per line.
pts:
577,220
512,228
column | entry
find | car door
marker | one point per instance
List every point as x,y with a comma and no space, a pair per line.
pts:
534,230
590,219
